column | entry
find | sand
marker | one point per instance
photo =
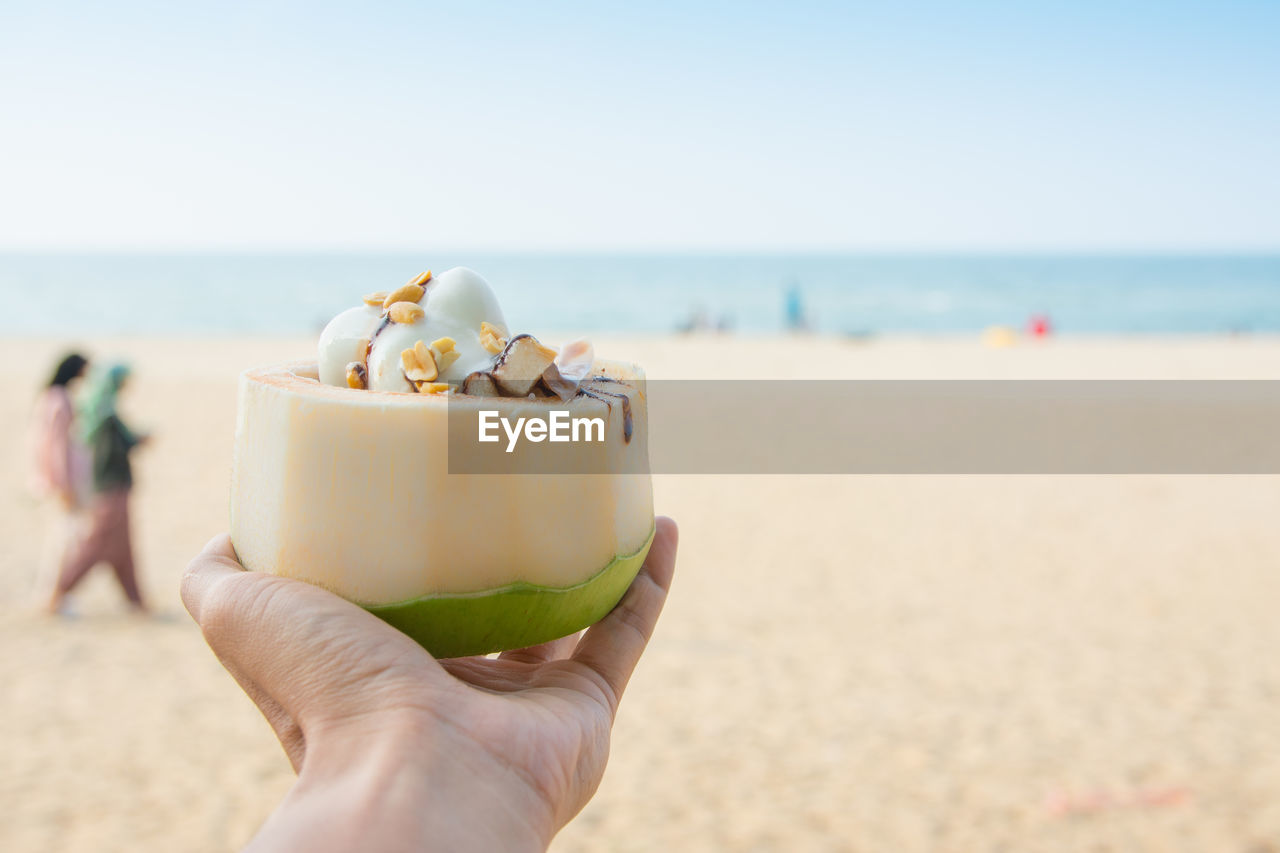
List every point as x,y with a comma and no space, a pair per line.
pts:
846,663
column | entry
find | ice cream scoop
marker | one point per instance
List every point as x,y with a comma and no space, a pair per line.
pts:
454,305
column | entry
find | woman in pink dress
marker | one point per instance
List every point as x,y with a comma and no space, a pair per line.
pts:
60,469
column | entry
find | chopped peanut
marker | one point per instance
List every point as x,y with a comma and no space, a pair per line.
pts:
357,375
404,293
446,359
418,369
405,312
491,339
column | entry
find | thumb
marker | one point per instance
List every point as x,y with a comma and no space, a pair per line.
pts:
318,656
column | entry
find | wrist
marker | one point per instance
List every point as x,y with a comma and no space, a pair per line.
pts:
411,784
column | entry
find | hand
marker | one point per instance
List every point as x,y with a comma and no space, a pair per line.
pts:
396,750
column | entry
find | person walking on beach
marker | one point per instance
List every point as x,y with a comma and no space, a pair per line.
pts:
796,319
60,467
107,537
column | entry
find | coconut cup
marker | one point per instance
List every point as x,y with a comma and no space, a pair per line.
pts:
388,500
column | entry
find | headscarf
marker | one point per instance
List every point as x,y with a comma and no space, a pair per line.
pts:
99,404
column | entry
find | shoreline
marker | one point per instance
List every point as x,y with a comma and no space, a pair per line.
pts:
744,356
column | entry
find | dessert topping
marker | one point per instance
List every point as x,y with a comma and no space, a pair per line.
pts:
405,312
404,293
445,352
491,338
555,382
521,365
571,366
357,375
428,307
480,384
419,365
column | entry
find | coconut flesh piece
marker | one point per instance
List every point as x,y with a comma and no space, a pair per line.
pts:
521,364
527,367
571,366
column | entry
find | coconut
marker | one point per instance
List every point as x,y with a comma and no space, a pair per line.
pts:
351,490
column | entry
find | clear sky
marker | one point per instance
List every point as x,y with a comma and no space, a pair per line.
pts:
640,125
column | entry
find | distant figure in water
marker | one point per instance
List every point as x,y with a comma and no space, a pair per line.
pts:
1040,326
60,468
106,538
796,321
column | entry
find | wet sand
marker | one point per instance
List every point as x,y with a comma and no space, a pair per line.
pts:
853,663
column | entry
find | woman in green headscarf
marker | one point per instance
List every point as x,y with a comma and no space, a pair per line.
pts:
108,538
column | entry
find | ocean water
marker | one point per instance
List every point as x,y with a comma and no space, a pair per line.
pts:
74,294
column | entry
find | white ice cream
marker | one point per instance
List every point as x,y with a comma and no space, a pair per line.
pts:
456,302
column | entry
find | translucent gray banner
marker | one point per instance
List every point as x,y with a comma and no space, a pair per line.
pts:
911,427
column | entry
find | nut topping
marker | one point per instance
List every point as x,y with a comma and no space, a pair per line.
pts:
419,365
357,376
405,312
445,360
404,293
421,352
445,352
491,339
433,387
375,299
422,280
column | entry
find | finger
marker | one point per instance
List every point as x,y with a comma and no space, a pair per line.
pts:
312,653
217,553
543,652
287,730
611,648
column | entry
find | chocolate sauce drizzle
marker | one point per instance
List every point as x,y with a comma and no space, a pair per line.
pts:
368,348
628,423
377,330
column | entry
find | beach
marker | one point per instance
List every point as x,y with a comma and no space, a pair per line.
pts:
877,663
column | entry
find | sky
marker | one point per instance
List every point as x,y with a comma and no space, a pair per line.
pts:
656,126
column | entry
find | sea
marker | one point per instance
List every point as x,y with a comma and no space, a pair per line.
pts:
855,295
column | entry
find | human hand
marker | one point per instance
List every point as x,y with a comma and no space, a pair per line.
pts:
396,750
